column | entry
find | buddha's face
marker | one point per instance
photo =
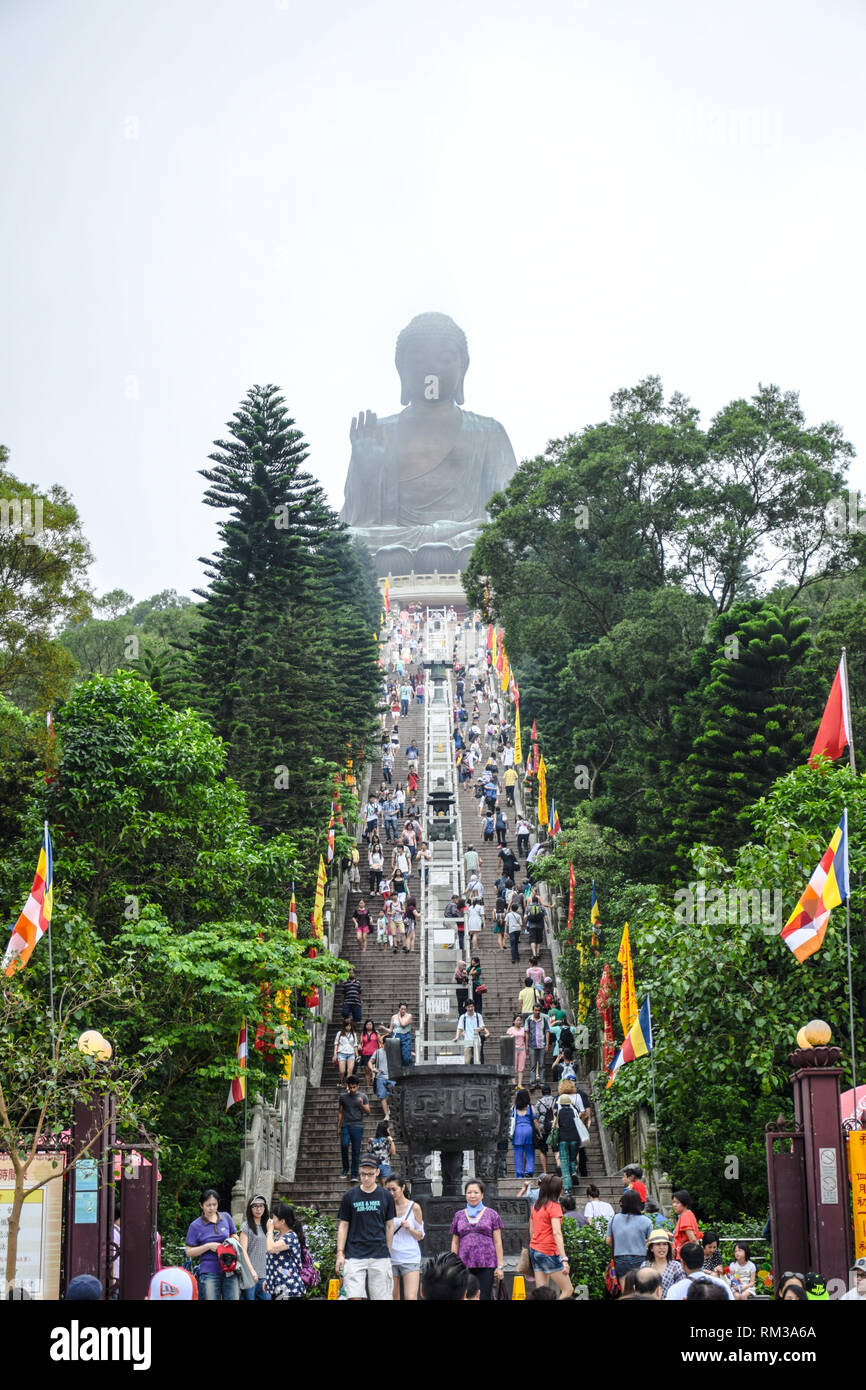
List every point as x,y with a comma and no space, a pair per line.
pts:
430,369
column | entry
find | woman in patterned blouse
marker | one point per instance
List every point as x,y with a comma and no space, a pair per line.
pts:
660,1257
285,1255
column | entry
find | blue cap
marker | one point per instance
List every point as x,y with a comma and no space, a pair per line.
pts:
84,1288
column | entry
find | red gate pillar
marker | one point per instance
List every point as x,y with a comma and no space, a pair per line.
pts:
816,1106
89,1210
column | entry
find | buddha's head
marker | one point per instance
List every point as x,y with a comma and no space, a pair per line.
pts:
432,357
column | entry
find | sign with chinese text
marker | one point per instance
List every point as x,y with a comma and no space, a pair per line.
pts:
37,1264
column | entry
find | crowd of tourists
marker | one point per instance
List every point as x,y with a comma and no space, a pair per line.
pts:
380,1227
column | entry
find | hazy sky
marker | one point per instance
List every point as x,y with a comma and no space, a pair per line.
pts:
205,194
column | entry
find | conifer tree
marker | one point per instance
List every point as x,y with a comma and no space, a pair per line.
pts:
284,661
744,725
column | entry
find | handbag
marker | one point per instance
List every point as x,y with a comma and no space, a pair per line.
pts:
611,1281
502,1295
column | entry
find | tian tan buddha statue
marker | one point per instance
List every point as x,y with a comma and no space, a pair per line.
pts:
419,482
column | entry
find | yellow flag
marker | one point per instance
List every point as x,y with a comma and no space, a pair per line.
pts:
506,673
518,746
319,900
627,996
542,791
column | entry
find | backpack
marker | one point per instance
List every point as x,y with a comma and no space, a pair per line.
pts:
310,1276
228,1258
535,915
546,1115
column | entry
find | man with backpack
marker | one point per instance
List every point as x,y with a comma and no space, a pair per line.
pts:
536,916
537,1030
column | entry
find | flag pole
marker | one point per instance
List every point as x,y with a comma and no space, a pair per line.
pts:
850,970
50,959
844,665
652,1053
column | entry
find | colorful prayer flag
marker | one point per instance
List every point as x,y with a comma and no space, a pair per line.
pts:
542,793
293,915
627,996
638,1041
603,1004
834,731
238,1088
555,826
826,889
387,597
319,901
36,916
595,919
331,835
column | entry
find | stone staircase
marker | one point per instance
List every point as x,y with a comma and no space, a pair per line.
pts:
385,980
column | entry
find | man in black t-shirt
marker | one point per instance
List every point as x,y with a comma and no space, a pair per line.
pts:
365,1230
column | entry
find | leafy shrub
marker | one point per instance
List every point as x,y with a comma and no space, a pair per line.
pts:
588,1255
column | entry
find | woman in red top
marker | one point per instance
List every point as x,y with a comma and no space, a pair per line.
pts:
546,1248
687,1227
369,1046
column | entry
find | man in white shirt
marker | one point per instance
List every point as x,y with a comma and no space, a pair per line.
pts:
469,1025
514,926
858,1269
692,1260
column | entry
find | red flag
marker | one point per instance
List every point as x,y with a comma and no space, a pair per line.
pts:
490,637
536,758
571,886
500,650
534,733
834,733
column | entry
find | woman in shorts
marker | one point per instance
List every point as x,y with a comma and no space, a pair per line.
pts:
362,922
546,1248
406,1245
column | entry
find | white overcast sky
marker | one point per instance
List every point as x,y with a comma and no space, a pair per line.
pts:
200,195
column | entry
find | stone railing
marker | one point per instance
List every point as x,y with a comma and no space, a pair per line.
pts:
270,1149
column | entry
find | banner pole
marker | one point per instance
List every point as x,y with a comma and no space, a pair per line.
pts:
655,1105
847,697
851,1003
50,961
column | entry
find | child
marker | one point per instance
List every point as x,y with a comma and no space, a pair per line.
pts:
382,929
741,1271
382,1147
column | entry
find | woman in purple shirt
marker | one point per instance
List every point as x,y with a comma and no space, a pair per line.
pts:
204,1237
476,1236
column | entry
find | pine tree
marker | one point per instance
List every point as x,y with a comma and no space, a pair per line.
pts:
284,664
743,726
